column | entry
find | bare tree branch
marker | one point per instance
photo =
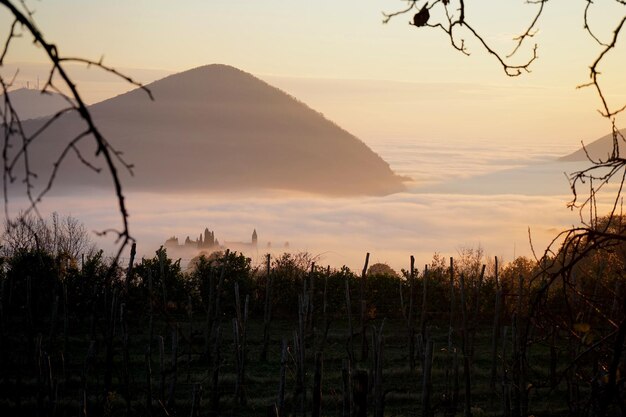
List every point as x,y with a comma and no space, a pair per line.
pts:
23,18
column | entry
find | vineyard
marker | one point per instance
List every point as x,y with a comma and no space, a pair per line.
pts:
83,335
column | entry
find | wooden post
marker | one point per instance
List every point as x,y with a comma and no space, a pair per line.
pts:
53,320
174,367
427,382
190,338
214,404
151,315
196,398
451,326
506,390
364,344
216,322
66,322
162,369
310,319
317,386
553,358
110,332
148,383
239,333
91,352
449,351
473,323
423,315
377,371
350,345
346,377
280,398
326,324
359,394
409,316
129,270
300,355
467,410
495,332
126,357
267,310
209,305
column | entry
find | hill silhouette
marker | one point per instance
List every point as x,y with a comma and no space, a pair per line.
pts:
31,103
598,149
218,128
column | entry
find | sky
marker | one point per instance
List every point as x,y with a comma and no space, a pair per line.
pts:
322,51
432,112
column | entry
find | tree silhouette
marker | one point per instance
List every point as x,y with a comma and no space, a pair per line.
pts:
599,235
449,16
17,142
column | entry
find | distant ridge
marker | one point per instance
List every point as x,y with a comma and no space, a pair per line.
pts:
598,149
217,128
31,103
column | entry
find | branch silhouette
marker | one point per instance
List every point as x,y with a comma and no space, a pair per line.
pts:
57,81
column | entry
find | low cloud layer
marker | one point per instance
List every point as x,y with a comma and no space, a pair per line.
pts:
463,196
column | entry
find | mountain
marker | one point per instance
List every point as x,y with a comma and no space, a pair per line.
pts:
31,103
217,128
598,149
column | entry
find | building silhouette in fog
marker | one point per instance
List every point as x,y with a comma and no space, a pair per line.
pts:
207,241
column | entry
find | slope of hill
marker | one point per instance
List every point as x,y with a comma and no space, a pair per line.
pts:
219,128
598,149
31,103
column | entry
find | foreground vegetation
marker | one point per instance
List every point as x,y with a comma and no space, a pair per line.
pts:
82,335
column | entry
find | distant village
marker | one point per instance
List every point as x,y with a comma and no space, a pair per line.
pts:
208,242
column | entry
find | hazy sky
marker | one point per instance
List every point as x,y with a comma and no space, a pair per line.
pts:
314,49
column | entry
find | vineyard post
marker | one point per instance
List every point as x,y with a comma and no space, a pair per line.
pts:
426,381
267,310
190,339
350,345
239,333
109,351
377,370
150,314
300,354
162,369
423,315
409,316
214,403
506,387
467,410
346,377
363,303
326,324
129,271
476,302
53,319
91,352
449,351
66,324
456,385
196,398
310,321
359,393
173,367
126,356
148,381
209,304
496,330
280,397
317,385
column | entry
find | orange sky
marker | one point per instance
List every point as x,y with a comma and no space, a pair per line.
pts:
374,79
